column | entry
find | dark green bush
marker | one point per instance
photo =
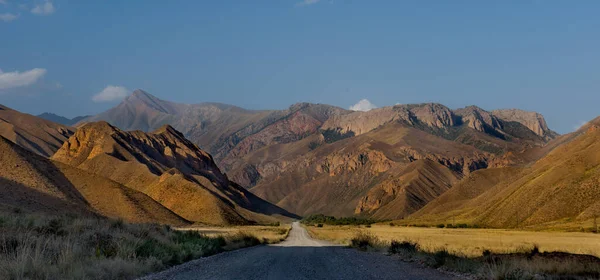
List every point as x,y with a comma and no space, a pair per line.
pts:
364,240
440,226
440,258
397,247
313,145
334,135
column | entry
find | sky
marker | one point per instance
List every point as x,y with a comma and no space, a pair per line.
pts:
74,57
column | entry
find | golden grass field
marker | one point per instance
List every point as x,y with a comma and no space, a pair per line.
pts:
469,242
270,234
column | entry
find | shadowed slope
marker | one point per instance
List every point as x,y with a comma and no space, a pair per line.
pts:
35,184
38,135
560,187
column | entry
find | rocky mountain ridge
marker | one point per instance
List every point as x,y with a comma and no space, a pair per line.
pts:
168,168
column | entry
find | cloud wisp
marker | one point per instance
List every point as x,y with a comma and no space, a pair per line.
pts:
43,9
363,105
8,17
579,125
111,93
307,3
16,79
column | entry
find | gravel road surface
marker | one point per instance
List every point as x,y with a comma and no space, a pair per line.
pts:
298,257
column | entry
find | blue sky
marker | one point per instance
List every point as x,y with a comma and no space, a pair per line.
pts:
535,55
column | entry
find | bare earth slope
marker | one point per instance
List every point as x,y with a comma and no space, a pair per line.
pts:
40,136
168,168
35,184
562,186
299,257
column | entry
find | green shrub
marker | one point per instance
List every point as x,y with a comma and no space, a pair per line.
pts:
440,258
397,247
313,145
319,225
334,135
364,240
441,226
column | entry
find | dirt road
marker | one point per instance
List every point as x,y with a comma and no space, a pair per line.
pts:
299,257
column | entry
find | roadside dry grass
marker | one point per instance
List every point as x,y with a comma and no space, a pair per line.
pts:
51,247
525,261
469,242
266,234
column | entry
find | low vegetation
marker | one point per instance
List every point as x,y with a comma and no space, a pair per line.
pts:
525,263
470,242
334,135
67,247
267,234
330,220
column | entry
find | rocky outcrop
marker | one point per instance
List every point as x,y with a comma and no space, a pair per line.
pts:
429,114
479,119
532,120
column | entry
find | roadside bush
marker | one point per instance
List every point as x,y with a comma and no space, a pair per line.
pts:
241,240
404,247
440,258
319,225
440,226
365,240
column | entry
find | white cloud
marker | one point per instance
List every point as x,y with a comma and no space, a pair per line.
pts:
307,2
44,9
18,79
111,93
363,105
8,17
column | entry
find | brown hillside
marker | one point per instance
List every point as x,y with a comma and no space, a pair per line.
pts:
388,173
168,168
35,184
40,136
562,186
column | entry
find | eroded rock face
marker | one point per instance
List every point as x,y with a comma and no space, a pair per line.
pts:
430,114
160,151
532,120
478,119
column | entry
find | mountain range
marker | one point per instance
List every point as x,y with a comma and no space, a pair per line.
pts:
316,158
213,163
60,119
